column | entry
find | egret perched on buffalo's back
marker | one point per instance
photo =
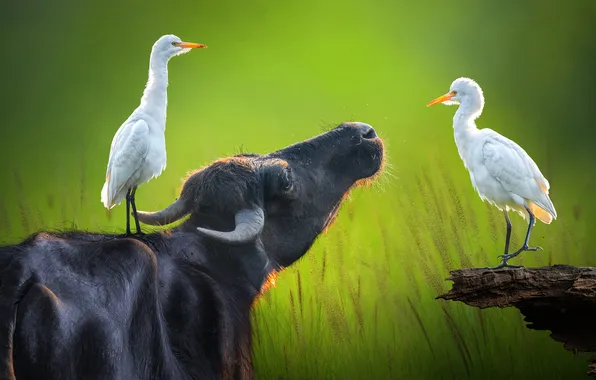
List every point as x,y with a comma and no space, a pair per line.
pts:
138,150
501,171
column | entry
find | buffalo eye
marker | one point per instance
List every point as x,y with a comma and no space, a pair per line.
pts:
287,183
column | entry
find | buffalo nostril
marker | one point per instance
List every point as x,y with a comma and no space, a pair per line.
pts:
361,129
370,134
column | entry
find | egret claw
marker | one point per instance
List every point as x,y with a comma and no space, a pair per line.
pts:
504,265
506,257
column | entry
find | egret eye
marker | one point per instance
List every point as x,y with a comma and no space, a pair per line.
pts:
174,43
454,92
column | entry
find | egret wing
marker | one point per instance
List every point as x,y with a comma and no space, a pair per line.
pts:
509,163
127,154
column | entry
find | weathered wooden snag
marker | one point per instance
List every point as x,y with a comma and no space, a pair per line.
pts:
559,298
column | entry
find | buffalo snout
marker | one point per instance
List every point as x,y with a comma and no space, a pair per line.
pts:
364,130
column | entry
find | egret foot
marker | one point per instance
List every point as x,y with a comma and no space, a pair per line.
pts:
522,249
508,257
130,234
504,264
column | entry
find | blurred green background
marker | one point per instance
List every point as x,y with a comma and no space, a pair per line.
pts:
361,304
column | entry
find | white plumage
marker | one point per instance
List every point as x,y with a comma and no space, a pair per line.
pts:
138,150
501,171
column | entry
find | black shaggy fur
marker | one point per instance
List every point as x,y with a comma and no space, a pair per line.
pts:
174,305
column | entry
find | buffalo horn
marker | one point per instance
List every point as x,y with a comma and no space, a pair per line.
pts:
249,224
170,214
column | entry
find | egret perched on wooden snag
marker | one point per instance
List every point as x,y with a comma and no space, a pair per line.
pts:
501,171
138,151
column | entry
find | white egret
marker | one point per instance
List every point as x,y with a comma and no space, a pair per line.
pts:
138,150
501,171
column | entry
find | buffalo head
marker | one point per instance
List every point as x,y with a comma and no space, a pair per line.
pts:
282,200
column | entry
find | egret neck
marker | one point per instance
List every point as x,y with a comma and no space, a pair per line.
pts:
464,125
155,96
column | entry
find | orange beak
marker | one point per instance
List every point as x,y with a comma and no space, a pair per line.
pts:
441,99
189,45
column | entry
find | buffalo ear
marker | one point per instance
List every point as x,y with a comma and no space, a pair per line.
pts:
236,190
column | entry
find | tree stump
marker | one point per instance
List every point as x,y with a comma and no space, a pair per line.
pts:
559,298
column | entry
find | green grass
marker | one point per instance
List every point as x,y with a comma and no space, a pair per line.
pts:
361,304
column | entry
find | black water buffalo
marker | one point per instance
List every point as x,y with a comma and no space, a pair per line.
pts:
175,304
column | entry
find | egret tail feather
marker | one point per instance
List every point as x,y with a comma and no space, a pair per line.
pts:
541,214
105,199
113,192
546,204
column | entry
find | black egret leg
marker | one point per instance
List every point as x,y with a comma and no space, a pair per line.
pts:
508,238
128,233
134,210
525,247
526,240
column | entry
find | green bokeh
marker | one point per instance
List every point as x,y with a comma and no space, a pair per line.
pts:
361,304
